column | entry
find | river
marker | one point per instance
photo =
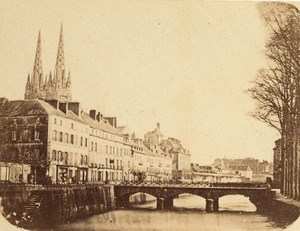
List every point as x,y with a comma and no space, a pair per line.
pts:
235,213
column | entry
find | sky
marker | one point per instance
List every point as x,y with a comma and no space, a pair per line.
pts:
185,64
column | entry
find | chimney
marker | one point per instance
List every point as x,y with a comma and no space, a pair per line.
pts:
112,121
98,117
54,103
63,107
74,107
158,126
93,114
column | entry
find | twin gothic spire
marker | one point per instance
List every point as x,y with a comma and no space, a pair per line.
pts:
56,87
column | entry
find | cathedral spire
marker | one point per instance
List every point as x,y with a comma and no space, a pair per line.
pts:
37,67
60,62
28,84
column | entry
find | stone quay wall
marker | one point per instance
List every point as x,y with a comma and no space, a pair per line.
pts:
60,204
13,196
284,210
64,204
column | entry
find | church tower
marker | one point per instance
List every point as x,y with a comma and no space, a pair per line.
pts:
56,86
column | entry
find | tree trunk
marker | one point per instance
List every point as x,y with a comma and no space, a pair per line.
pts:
34,180
283,164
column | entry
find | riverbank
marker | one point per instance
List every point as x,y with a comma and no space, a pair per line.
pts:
284,209
50,206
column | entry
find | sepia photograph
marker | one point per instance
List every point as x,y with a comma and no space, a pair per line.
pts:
149,115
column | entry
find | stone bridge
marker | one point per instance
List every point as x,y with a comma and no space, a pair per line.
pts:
260,196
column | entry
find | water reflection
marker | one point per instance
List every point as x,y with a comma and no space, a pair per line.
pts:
236,213
236,203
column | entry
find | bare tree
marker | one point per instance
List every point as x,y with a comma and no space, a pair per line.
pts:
276,86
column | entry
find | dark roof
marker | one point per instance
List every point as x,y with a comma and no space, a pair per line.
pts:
240,168
23,108
103,126
34,107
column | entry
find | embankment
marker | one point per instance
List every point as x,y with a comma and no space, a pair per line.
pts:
53,205
284,210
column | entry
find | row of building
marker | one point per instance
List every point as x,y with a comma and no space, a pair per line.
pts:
233,170
48,138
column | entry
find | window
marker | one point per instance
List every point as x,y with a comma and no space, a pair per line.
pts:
81,159
106,149
54,155
72,126
96,147
36,135
92,146
14,135
71,158
66,157
60,155
76,158
110,150
25,135
85,142
60,122
114,150
54,135
54,120
72,139
81,141
66,137
85,159
61,137
106,162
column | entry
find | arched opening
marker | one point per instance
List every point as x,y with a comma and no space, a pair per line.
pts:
236,202
142,200
189,201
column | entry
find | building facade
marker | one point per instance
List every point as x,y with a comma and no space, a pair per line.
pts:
181,158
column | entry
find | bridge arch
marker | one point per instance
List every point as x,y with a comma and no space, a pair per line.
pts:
189,201
141,197
133,192
202,196
236,202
